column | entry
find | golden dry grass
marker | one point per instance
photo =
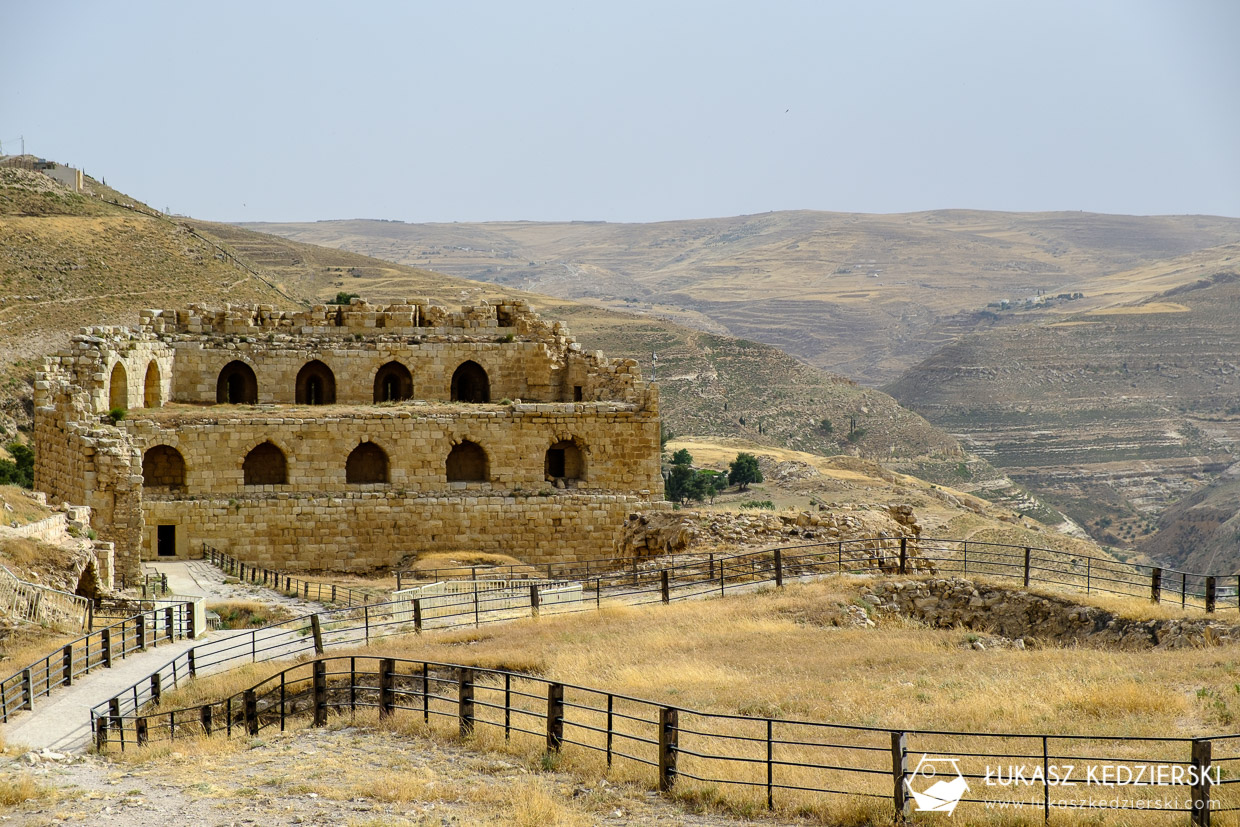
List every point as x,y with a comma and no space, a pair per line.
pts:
246,614
792,654
20,787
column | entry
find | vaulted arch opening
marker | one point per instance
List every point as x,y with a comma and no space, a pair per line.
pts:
316,384
118,387
565,461
163,467
393,383
265,465
470,383
152,391
467,462
367,463
237,385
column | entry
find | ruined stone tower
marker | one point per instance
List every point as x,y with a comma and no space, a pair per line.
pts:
346,437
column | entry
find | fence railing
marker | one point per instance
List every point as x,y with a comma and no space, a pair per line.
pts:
283,582
98,648
776,763
42,604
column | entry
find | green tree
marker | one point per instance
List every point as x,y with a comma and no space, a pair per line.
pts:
682,457
676,487
344,298
19,470
744,470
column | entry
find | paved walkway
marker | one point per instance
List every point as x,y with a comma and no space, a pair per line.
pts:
62,722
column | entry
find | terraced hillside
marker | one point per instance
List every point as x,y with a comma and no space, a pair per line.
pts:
710,384
1112,414
1203,528
867,296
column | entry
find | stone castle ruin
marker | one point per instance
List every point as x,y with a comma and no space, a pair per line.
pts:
346,437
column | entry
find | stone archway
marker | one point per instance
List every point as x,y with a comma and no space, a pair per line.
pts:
470,383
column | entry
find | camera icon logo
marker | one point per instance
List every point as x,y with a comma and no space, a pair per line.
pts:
937,784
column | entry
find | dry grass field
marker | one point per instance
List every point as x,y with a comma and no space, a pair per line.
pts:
798,653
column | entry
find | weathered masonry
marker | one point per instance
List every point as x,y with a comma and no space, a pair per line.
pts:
346,437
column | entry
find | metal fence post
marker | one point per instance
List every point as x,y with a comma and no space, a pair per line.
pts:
251,712
1211,594
139,728
169,623
157,687
101,732
320,693
663,586
903,555
1156,585
533,600
899,771
204,715
1028,556
387,671
317,629
465,701
189,660
141,634
27,690
1200,783
67,666
555,716
779,568
669,740
417,615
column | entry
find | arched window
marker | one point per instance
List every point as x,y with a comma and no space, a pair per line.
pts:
470,383
237,385
367,463
565,461
118,387
163,467
265,465
152,393
393,383
467,462
316,384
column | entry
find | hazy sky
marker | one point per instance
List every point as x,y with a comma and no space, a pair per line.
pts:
631,111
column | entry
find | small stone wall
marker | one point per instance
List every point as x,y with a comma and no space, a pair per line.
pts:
1035,618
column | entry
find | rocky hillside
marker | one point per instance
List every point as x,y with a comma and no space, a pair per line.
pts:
709,384
1111,414
70,260
1201,532
867,296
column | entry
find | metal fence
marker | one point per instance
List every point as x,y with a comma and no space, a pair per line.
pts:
98,648
751,762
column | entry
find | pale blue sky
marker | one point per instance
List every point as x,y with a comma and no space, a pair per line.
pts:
631,111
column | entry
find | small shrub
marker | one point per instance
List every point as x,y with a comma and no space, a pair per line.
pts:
116,415
767,504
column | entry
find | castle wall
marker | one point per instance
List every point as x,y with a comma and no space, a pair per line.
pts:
360,531
316,518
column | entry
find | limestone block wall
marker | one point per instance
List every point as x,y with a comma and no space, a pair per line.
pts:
618,444
360,531
516,370
592,418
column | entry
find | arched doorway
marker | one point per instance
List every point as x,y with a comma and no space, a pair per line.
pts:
316,384
118,387
237,385
393,383
367,463
152,392
467,462
265,465
470,383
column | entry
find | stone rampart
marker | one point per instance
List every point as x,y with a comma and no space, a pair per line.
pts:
334,437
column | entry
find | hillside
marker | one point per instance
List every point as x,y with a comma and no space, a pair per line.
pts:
69,260
1110,414
1201,532
867,296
